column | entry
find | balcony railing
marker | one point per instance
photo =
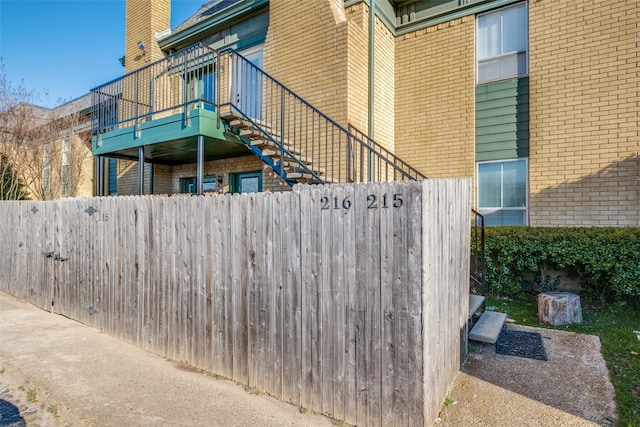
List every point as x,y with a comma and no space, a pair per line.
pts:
175,84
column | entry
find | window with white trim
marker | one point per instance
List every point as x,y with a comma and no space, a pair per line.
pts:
502,192
65,176
502,43
46,173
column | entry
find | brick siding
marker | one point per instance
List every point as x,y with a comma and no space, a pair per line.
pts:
434,99
584,111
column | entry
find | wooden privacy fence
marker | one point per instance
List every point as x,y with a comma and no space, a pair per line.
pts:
347,300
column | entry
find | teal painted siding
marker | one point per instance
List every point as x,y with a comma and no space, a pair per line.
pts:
502,120
113,176
201,122
247,33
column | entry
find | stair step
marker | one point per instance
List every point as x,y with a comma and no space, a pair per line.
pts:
488,327
315,169
329,180
252,132
299,175
246,124
275,154
475,301
229,114
270,143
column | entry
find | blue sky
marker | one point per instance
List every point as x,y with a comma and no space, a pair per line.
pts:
61,49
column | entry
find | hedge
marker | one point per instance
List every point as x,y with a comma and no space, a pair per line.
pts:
605,260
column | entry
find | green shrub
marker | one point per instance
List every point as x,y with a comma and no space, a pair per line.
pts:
605,260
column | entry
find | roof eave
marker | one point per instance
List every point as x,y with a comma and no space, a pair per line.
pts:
179,38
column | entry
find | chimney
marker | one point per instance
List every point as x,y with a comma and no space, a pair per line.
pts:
145,18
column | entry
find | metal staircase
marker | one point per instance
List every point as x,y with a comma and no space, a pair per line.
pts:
296,140
281,155
483,325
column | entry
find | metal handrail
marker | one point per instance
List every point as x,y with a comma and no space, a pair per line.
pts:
134,97
478,253
295,117
387,153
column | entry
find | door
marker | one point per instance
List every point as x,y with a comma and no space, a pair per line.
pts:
247,182
248,79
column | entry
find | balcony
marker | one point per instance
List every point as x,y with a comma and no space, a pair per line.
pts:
163,107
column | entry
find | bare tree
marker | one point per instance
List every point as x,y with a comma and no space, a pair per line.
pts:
47,151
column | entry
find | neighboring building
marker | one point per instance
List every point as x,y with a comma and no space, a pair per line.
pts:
48,149
538,101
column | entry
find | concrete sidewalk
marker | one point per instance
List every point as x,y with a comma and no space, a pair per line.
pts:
90,378
86,377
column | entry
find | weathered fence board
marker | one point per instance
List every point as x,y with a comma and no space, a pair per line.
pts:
347,300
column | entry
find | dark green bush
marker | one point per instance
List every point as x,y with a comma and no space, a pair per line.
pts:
606,261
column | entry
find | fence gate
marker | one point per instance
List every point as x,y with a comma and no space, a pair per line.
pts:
26,251
43,252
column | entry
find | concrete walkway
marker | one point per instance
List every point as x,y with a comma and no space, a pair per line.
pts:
81,376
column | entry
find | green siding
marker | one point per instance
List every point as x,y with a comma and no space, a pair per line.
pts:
502,120
113,176
247,33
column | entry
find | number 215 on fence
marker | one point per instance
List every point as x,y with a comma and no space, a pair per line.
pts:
373,201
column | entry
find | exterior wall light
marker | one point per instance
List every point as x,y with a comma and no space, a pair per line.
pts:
141,47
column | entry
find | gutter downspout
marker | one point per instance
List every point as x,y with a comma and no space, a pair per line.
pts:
371,115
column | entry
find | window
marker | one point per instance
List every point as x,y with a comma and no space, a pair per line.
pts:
66,177
502,41
190,185
420,10
502,192
46,173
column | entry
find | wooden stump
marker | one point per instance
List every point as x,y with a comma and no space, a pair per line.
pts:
559,308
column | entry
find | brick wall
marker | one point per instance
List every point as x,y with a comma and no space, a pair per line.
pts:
162,179
384,86
306,50
584,113
166,179
128,177
225,168
434,98
83,160
322,53
358,66
144,18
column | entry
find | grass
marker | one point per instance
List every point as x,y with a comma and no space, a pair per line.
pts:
615,324
251,390
32,395
448,401
53,409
